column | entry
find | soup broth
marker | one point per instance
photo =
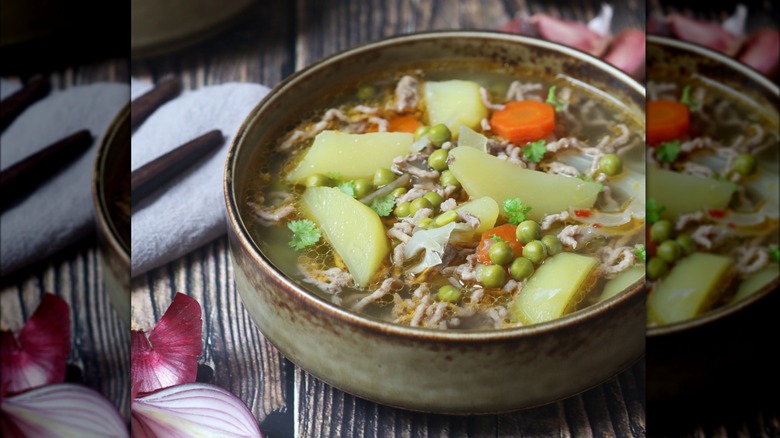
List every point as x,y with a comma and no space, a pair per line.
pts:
457,199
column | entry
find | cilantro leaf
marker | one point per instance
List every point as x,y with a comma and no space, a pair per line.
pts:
515,210
348,187
687,100
535,151
335,176
774,253
668,151
654,211
383,205
552,100
305,233
497,238
641,252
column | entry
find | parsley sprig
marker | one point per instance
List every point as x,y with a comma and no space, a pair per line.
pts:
535,151
553,100
516,210
383,205
669,151
654,211
688,100
305,233
641,252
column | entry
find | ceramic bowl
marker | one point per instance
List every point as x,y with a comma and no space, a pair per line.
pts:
724,349
419,369
111,198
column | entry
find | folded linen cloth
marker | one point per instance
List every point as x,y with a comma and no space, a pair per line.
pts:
189,211
60,212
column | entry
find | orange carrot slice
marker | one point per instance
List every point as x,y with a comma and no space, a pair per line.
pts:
403,124
666,120
507,233
525,120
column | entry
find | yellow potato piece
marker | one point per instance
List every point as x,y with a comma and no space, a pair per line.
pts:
666,188
454,103
485,208
554,289
482,174
622,281
690,289
353,229
757,281
351,155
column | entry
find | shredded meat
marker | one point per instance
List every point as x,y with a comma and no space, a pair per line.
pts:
550,219
405,164
407,94
710,236
473,221
485,125
366,109
381,124
448,204
616,260
398,255
690,218
568,236
696,169
512,154
411,195
486,100
269,216
517,91
331,281
385,288
558,168
750,259
297,136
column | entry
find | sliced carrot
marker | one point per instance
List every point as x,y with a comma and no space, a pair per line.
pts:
507,233
403,124
666,120
525,120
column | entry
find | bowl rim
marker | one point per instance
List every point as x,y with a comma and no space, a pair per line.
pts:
730,308
236,225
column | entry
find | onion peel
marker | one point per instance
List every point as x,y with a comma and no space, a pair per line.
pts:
168,354
38,354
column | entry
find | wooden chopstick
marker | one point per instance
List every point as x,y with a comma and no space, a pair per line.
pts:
26,175
34,90
148,103
149,177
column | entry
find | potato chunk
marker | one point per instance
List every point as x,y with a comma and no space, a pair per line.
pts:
353,229
699,193
454,103
485,209
690,289
352,155
482,174
622,281
757,281
554,289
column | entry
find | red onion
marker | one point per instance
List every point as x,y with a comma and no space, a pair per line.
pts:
63,409
38,354
168,355
193,409
627,52
761,51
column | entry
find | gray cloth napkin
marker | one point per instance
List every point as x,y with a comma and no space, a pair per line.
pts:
190,210
60,212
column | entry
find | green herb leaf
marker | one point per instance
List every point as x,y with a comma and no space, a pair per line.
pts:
348,187
668,151
774,253
590,179
335,176
535,151
383,205
515,210
305,233
497,238
654,211
641,252
687,100
552,100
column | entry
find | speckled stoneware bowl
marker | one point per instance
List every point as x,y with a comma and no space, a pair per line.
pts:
729,347
111,195
421,369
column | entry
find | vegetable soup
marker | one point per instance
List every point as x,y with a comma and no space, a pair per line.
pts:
457,199
713,198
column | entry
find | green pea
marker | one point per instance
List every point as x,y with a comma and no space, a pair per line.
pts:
317,180
521,268
552,244
418,204
403,209
687,244
661,231
422,130
493,276
527,231
535,251
438,159
434,198
500,253
425,222
446,217
363,187
383,176
611,164
448,293
669,251
448,179
656,268
366,92
398,192
745,164
439,134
